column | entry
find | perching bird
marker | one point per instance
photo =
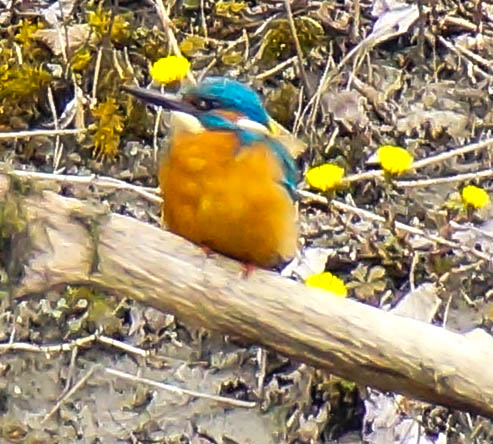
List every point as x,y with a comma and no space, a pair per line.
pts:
226,183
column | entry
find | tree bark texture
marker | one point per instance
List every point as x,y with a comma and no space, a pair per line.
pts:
67,241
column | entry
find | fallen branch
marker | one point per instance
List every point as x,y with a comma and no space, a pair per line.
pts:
67,241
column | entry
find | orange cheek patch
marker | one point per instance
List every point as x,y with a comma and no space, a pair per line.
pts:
230,115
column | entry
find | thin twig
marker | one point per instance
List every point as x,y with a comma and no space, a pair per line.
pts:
85,342
47,349
123,346
452,153
355,28
97,69
155,132
116,64
332,140
439,180
174,389
471,228
71,370
297,45
246,53
76,387
44,132
68,346
57,152
203,20
412,270
445,313
266,23
166,21
298,111
149,193
18,53
315,99
275,69
63,39
262,371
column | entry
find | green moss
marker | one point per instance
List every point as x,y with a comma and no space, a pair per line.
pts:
12,430
281,103
22,86
25,36
81,59
23,81
4,397
441,264
107,129
191,5
279,44
22,186
138,120
154,44
99,20
121,30
230,8
12,220
92,309
12,225
103,23
232,58
192,44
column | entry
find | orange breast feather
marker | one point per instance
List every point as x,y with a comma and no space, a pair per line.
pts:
228,198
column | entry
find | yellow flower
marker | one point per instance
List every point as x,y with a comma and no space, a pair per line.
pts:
327,281
394,159
325,177
475,197
170,69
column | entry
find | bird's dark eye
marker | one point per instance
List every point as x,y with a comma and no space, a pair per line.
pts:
203,104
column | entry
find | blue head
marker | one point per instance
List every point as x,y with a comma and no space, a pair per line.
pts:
221,93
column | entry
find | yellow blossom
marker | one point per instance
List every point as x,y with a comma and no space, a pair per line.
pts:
394,159
327,281
325,177
170,69
475,197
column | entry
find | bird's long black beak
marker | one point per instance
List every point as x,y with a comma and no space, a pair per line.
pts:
170,102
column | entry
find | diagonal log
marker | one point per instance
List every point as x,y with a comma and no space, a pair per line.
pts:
68,241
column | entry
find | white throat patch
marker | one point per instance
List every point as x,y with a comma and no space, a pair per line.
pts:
183,122
252,125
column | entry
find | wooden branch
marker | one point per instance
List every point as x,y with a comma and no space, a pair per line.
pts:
67,241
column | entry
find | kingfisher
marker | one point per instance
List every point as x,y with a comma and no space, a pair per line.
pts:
227,184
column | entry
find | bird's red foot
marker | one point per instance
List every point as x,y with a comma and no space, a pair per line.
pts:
248,269
207,251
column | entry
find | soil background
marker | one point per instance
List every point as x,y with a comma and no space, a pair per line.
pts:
357,76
